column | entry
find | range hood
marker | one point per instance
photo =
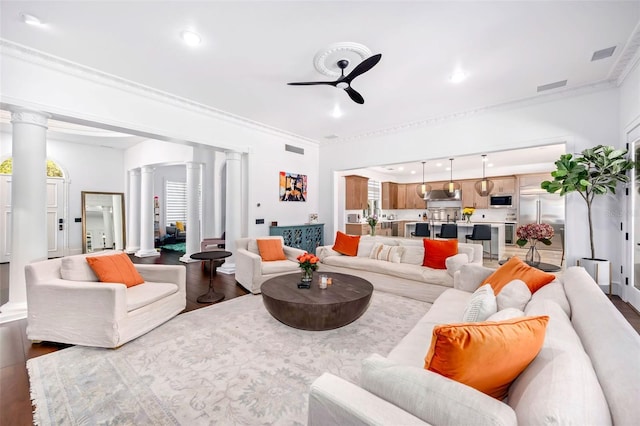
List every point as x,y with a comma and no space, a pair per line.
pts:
441,195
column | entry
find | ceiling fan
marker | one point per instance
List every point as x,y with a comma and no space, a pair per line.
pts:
344,82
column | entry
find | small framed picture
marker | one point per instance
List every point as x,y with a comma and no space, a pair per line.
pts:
313,218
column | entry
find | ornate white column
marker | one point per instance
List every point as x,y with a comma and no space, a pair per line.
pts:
133,212
233,209
146,214
28,205
193,213
208,192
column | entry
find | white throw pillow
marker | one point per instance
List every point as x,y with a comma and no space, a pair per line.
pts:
516,294
413,255
455,262
481,305
505,314
365,245
387,253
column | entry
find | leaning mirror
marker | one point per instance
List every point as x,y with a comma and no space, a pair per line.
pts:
102,221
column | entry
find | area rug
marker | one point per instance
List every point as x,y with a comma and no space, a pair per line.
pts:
181,247
230,363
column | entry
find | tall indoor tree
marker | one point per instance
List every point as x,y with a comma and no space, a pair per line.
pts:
595,171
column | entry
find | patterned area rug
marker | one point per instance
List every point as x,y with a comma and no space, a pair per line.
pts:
181,247
230,363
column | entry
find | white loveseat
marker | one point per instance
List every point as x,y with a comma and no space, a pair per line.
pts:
405,278
251,271
587,372
67,304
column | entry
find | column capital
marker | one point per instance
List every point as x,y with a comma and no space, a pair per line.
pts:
134,172
25,116
233,155
146,169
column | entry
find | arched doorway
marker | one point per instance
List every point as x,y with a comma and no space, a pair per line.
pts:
56,220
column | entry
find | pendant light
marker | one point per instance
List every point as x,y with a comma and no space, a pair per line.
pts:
451,187
484,186
425,189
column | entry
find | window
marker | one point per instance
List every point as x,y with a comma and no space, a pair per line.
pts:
175,202
53,170
374,196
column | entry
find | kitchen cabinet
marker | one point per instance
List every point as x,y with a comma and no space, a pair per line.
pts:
470,197
504,185
402,196
356,192
382,228
389,195
413,200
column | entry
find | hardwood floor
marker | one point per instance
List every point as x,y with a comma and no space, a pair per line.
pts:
16,349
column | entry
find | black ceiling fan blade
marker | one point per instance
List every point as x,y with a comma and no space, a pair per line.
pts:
312,83
355,96
363,67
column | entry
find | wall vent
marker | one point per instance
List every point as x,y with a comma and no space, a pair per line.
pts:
295,149
552,85
603,53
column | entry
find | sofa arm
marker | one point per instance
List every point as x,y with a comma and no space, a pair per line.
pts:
292,253
176,274
248,269
335,401
455,262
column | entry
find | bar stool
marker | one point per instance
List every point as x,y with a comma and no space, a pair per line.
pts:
422,230
481,233
448,230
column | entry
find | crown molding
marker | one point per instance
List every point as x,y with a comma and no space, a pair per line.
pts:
27,54
463,115
628,59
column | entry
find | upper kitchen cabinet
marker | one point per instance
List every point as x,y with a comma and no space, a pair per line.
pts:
389,195
471,198
356,192
413,200
504,185
402,196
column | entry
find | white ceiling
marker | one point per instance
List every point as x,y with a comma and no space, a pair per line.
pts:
250,50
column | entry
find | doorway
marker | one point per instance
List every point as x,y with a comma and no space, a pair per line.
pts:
634,290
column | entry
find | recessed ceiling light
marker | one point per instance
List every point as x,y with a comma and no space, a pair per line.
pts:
30,19
401,168
448,168
191,38
490,165
413,172
458,76
438,164
337,112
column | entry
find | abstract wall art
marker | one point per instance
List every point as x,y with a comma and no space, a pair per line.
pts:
293,187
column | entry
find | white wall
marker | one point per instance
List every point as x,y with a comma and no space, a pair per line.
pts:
581,121
67,90
88,168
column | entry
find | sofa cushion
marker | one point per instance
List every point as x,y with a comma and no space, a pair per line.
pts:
346,244
365,245
147,293
471,276
279,266
115,269
469,353
481,305
387,253
437,251
271,249
553,291
515,268
516,294
455,262
76,268
431,397
505,314
560,386
413,255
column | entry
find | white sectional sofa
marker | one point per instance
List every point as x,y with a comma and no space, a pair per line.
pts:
587,372
405,278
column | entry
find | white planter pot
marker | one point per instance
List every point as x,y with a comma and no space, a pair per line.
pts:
599,269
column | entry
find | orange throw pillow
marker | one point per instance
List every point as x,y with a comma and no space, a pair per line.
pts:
346,244
116,268
487,356
517,269
437,251
271,249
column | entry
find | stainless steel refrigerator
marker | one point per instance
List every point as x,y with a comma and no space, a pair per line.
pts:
535,205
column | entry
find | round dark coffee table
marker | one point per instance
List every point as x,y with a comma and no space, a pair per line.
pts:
215,258
316,309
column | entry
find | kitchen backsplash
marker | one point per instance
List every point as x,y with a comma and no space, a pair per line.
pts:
480,215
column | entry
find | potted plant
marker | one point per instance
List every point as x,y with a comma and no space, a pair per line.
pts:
595,171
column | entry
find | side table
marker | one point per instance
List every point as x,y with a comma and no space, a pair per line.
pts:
215,258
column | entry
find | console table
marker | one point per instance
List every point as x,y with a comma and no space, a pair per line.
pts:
305,237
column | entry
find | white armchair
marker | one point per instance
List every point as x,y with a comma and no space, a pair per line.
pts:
251,271
67,304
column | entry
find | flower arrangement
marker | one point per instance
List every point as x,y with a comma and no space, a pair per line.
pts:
534,232
308,262
372,221
467,212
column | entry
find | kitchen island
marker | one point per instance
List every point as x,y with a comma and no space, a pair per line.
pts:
465,228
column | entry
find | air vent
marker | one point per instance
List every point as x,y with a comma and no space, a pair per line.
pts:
552,85
295,149
603,53
331,137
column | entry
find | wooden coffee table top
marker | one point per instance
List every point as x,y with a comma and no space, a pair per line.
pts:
316,309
